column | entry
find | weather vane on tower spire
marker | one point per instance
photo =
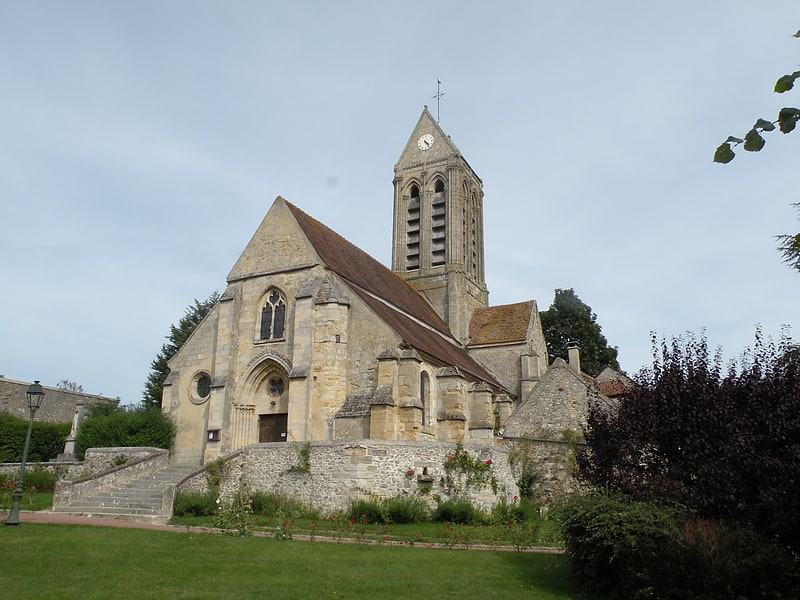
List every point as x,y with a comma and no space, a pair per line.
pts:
439,94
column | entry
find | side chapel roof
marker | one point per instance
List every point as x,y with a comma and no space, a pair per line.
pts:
500,324
389,296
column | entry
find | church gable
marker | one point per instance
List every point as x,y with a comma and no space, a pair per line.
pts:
559,402
277,245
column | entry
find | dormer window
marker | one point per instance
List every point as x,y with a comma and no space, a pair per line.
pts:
273,316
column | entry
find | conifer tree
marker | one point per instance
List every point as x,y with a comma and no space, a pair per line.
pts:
570,320
178,334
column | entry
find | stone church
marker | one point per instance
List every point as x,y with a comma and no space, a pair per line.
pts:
315,340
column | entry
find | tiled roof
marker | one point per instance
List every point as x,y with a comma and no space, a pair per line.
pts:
612,388
500,324
390,297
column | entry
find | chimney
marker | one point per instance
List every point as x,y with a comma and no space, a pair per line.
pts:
574,357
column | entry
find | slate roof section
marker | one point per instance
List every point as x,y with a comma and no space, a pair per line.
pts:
356,266
500,324
390,297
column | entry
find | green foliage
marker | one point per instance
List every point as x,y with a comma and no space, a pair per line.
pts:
178,334
516,511
405,509
365,511
272,505
69,386
569,320
235,515
753,142
194,504
623,549
47,439
215,474
611,543
458,510
41,480
463,471
140,426
725,445
789,245
398,509
303,465
523,465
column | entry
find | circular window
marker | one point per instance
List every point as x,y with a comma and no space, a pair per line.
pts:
204,386
200,388
276,386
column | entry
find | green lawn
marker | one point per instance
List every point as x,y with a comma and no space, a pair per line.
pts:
40,561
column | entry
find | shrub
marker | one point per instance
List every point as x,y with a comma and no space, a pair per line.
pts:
611,542
519,511
458,510
194,504
624,549
270,504
365,511
47,439
120,427
41,479
405,509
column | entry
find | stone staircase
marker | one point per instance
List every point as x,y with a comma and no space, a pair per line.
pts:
140,499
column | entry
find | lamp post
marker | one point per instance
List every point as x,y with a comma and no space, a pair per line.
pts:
35,394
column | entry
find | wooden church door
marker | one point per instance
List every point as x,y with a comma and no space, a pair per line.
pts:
272,428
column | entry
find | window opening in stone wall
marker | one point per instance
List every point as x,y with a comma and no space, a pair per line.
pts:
474,236
204,386
273,316
425,398
438,225
276,386
412,230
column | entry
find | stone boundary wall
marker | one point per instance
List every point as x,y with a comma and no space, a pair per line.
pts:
554,461
61,469
349,470
58,406
98,460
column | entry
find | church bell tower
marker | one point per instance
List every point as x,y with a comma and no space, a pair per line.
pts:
437,240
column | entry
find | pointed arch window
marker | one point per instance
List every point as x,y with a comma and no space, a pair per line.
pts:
273,316
438,225
474,237
425,398
412,229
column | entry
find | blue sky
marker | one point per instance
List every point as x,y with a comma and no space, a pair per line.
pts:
143,142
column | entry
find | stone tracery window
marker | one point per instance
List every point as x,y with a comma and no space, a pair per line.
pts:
273,316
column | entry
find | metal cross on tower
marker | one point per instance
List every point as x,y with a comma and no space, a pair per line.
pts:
439,94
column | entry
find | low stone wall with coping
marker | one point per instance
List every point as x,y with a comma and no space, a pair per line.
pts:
338,472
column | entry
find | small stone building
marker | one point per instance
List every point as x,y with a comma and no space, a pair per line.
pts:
315,340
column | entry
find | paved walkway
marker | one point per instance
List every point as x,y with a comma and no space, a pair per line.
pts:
44,516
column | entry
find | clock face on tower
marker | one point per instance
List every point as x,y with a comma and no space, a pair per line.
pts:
425,141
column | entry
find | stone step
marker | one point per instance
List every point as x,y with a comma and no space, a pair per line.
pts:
80,509
154,504
137,500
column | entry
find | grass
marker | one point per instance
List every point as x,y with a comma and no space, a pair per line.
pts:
30,501
412,533
42,561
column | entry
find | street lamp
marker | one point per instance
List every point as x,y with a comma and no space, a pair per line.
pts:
35,394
